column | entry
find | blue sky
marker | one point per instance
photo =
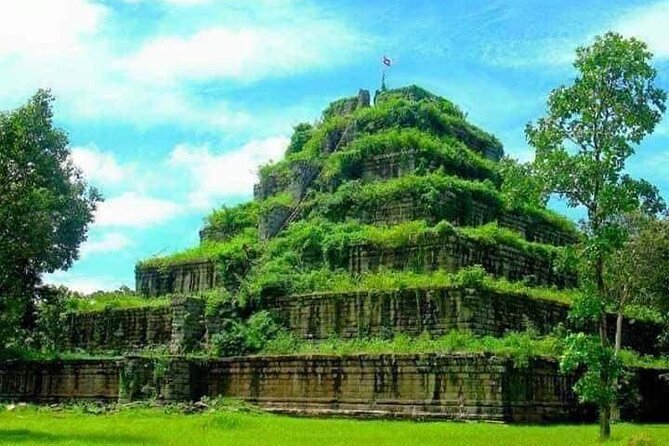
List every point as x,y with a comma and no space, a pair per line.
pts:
171,105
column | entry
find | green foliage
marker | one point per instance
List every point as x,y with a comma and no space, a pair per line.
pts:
241,338
301,134
235,247
436,195
108,300
521,186
429,116
440,196
414,93
280,200
45,205
600,367
227,222
340,107
410,108
306,247
519,346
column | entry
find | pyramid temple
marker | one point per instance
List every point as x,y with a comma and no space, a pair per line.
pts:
393,270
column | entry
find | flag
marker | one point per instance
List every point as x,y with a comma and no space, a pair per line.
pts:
386,61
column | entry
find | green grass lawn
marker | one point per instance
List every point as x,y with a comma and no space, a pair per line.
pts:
27,426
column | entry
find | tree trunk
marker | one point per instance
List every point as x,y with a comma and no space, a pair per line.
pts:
604,423
604,411
619,332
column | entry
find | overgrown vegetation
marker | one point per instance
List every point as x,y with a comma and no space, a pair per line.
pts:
227,222
436,196
410,144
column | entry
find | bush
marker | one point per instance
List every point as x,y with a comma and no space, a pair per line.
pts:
227,222
242,338
301,134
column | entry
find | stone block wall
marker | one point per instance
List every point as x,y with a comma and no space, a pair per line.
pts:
118,329
189,277
409,208
451,253
188,325
420,386
436,311
47,381
179,325
466,387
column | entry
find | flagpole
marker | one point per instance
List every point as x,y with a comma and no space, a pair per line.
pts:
386,63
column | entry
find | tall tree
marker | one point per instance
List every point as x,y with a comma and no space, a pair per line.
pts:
45,204
582,144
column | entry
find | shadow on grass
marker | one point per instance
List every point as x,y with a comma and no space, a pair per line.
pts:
19,436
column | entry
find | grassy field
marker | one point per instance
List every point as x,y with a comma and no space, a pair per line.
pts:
28,426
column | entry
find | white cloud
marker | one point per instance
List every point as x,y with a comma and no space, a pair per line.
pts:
242,53
228,174
47,28
98,166
79,49
134,210
110,242
649,23
82,284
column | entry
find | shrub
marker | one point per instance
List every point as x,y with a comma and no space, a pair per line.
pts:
227,222
242,338
301,134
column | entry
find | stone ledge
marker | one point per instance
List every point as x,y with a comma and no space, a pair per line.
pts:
425,386
436,311
453,252
186,277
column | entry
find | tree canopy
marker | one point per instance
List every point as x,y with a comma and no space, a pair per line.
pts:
45,204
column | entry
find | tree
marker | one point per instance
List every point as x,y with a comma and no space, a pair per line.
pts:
45,204
521,185
638,273
582,144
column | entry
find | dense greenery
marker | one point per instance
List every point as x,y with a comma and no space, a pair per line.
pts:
208,250
428,150
301,134
45,207
408,108
436,196
227,222
520,347
608,110
316,242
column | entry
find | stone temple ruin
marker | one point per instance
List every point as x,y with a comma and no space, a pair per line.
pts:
403,185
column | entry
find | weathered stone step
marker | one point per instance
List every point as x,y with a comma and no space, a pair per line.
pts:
178,325
453,252
455,206
320,316
186,277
